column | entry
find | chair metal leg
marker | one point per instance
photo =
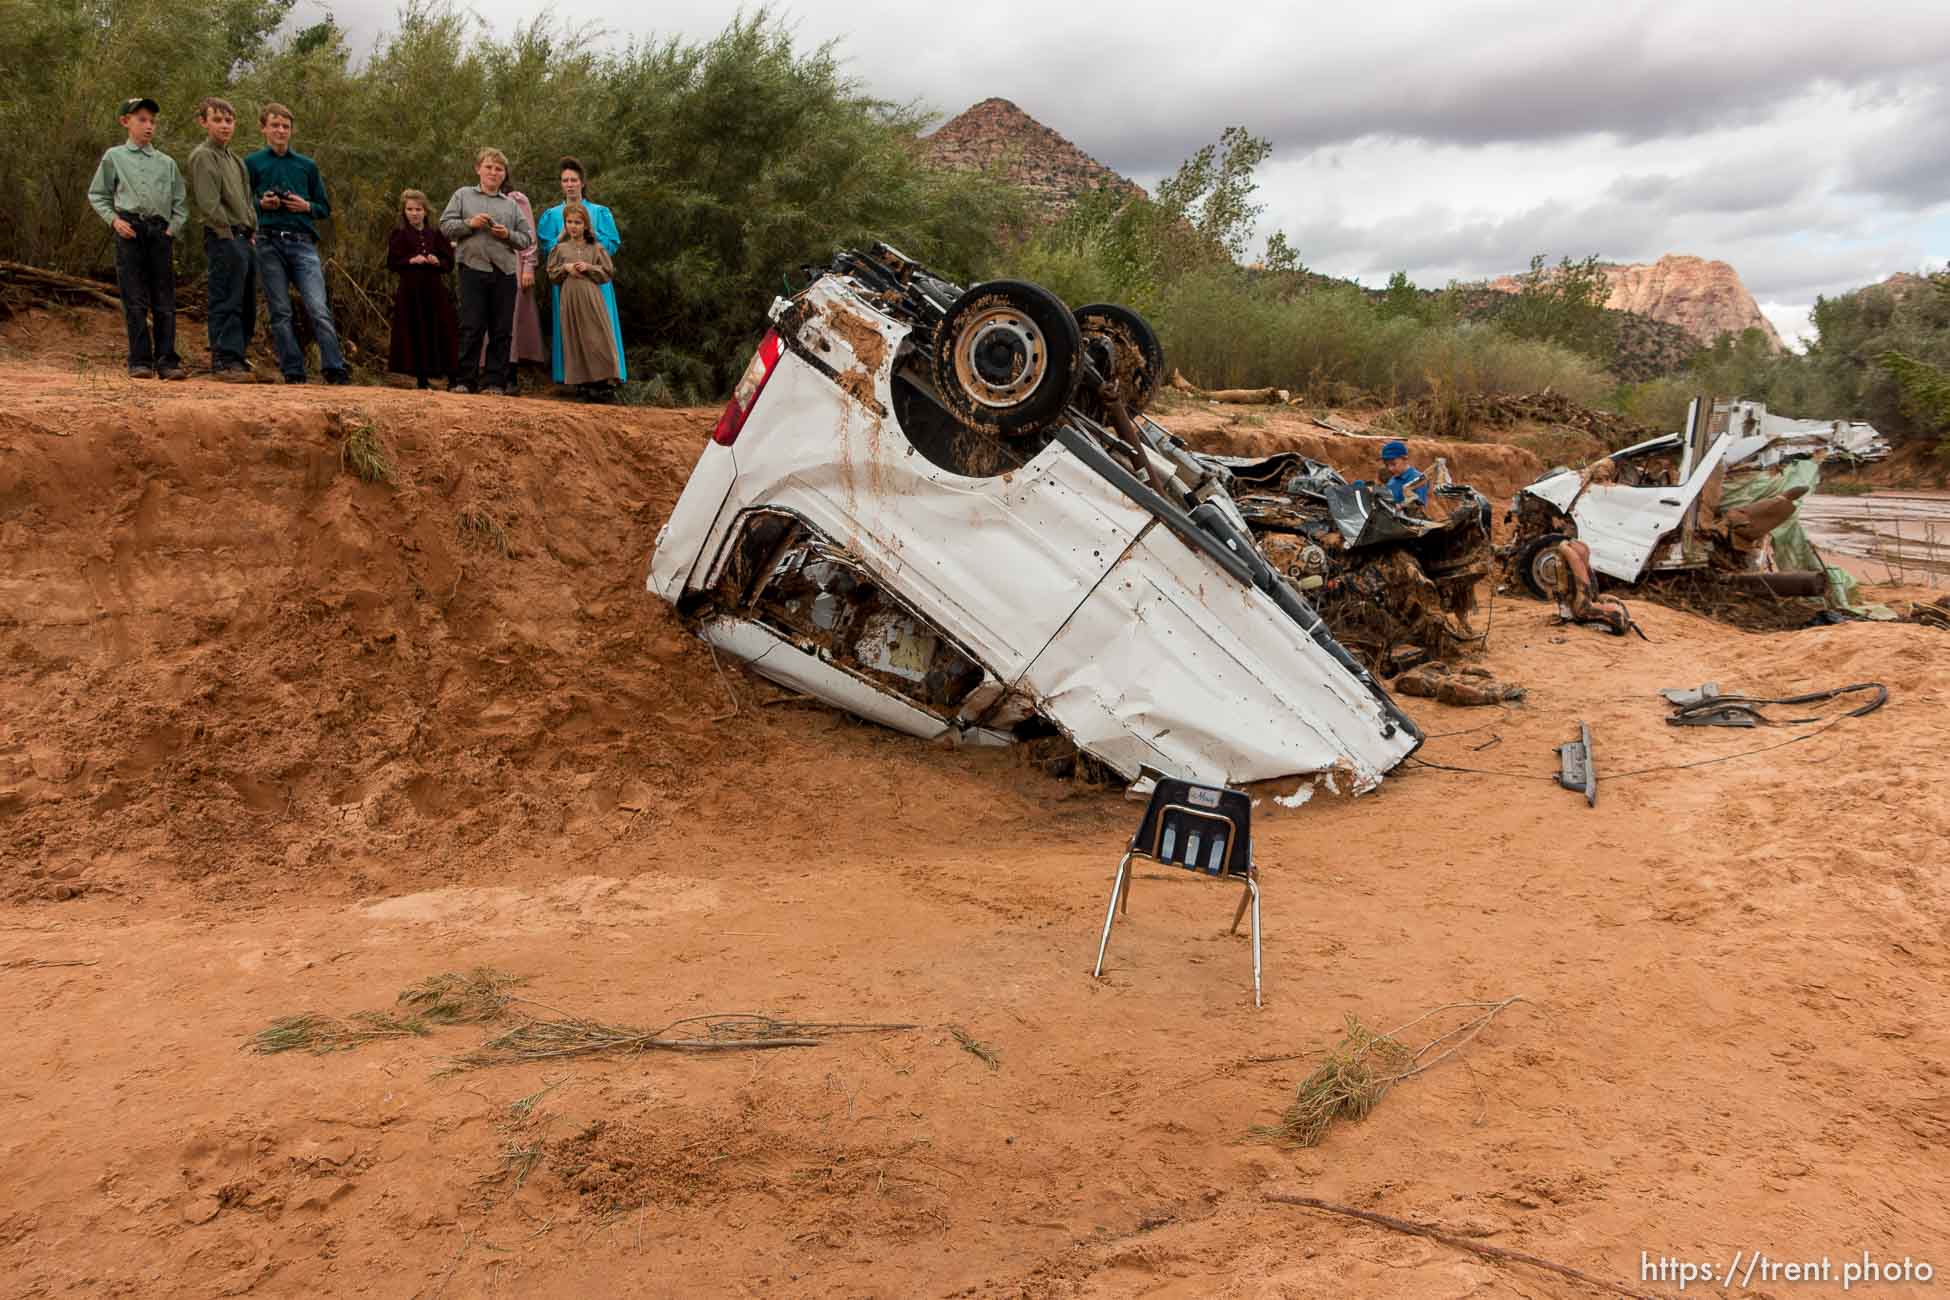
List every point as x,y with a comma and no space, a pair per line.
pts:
1252,887
1120,888
1245,896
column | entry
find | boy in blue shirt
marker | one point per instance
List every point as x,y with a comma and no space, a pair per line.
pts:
138,191
290,197
1402,476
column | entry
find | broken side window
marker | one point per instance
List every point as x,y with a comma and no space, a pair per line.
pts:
780,575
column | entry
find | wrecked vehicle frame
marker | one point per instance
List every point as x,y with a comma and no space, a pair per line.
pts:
1659,508
944,511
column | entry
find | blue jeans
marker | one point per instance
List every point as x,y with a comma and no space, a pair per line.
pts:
283,261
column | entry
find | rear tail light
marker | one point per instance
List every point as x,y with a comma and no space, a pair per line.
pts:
750,385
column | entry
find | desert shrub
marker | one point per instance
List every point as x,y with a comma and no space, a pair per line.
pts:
1657,403
1228,330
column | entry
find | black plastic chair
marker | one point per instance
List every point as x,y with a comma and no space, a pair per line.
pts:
1202,828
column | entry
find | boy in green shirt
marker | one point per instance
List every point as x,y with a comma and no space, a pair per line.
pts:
220,191
139,193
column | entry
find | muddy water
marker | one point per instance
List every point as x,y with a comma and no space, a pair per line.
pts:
1885,536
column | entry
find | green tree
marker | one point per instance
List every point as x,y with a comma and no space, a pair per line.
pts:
1401,299
1282,256
1925,394
1565,305
1212,193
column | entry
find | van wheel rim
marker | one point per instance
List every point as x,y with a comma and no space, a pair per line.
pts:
1546,568
1000,357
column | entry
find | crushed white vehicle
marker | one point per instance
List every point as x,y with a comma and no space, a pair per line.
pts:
943,510
1708,500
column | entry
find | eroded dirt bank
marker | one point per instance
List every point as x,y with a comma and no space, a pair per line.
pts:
275,740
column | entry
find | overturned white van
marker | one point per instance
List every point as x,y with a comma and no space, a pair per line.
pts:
944,511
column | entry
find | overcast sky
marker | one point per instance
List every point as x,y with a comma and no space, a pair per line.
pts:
1807,144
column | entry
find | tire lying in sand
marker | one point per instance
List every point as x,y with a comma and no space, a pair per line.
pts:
1007,358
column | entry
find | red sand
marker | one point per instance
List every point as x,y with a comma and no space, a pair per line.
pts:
275,741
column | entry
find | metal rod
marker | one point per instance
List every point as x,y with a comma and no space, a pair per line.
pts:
1252,886
1118,887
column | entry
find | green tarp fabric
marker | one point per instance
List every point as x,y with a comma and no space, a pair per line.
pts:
1793,552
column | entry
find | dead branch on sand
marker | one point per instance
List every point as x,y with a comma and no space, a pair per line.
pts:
1365,1065
1448,1238
975,1047
472,999
36,963
572,1035
446,999
321,1034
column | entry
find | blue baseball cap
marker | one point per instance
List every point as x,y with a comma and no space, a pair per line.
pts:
1393,448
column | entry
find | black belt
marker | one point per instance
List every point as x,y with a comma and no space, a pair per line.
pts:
289,234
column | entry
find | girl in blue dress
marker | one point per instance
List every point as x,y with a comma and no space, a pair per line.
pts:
548,233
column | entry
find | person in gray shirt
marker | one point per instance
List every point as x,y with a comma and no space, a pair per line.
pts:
487,231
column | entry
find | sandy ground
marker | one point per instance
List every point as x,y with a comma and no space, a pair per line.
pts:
275,740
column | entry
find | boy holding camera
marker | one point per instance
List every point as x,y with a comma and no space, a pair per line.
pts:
290,197
139,193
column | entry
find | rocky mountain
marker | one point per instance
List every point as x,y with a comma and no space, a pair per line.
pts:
1704,298
1047,168
1904,283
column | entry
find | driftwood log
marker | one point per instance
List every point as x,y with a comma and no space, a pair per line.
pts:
42,281
1241,396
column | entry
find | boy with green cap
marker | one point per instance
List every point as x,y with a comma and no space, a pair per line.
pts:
139,193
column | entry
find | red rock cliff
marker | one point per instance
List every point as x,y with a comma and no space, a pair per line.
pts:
1704,298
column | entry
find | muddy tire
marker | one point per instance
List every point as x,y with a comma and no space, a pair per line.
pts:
1536,567
1006,358
1124,349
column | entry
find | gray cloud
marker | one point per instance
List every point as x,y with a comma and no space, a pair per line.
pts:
1757,131
1604,77
1141,92
1906,165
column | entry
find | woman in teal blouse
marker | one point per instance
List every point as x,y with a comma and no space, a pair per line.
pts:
548,232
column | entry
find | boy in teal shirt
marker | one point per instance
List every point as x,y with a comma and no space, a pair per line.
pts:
139,193
290,197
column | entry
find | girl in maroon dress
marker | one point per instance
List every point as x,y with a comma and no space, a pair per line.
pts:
426,332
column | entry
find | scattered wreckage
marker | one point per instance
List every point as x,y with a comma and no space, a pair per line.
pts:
1718,500
945,511
1397,586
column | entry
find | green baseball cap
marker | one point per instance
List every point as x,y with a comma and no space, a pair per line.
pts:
131,105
